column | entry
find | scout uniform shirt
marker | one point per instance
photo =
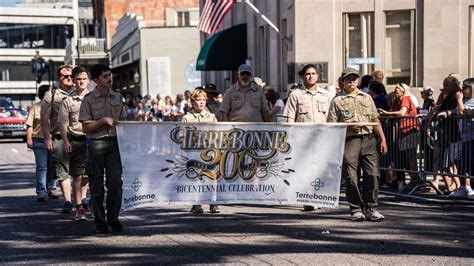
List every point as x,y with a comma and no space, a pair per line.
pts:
305,105
214,109
34,120
52,109
69,113
353,108
203,116
244,106
96,106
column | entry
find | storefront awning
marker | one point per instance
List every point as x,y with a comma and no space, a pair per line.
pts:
226,50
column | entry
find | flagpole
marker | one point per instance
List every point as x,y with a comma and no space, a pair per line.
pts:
262,16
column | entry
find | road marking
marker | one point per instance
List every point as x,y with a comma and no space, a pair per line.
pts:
14,150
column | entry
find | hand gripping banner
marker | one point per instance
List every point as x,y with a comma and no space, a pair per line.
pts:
229,163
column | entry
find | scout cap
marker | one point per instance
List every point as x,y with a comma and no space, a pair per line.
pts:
349,71
245,68
211,88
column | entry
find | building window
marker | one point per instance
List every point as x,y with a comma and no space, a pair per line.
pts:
399,46
358,39
183,19
31,36
187,18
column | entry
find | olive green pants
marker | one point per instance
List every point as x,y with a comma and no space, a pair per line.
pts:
361,151
104,155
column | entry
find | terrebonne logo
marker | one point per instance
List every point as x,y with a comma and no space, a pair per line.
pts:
230,153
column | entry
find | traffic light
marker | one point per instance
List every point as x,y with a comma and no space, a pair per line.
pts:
38,68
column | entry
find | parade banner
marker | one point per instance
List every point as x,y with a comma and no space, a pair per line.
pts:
230,163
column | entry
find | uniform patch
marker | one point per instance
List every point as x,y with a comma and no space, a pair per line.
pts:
347,114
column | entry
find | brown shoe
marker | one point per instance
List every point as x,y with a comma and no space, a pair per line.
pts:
54,194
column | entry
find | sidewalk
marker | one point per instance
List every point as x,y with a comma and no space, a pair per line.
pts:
413,233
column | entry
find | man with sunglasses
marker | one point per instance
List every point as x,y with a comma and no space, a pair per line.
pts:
53,142
244,101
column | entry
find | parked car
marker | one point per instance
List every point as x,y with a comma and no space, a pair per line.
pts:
12,120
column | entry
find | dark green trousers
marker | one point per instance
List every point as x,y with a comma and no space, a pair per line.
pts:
361,151
104,155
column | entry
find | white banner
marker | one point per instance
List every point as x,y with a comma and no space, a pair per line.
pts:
227,163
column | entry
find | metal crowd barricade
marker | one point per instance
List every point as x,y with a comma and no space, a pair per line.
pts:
422,149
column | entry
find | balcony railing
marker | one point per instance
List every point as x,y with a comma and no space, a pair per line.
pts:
92,46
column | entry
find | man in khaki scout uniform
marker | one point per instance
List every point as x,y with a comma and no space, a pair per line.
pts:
199,113
353,105
309,104
45,183
52,137
100,112
244,101
74,138
213,104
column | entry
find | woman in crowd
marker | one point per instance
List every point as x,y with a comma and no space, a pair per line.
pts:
276,105
408,135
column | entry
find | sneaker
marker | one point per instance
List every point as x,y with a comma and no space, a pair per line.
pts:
116,226
86,203
373,215
101,229
41,198
214,209
54,194
357,216
470,194
67,207
459,193
197,209
80,215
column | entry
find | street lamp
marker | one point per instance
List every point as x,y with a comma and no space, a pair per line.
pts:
77,39
136,78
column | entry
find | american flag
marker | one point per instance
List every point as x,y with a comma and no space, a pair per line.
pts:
213,14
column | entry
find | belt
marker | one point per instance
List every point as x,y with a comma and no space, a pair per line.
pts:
76,138
364,136
106,138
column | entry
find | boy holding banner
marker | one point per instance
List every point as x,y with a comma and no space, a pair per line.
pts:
309,104
100,112
199,113
353,105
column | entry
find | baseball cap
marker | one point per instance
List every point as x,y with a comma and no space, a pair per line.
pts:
245,68
349,71
468,83
428,89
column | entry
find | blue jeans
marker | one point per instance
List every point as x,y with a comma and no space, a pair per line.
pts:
44,178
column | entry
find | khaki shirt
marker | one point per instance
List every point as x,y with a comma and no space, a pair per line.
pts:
244,106
69,113
34,120
305,105
52,110
203,116
96,106
349,108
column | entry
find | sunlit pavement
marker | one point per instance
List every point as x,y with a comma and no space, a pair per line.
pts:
415,232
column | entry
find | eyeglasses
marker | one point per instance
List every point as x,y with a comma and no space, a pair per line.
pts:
66,76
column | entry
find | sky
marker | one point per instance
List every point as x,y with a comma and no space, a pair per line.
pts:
9,3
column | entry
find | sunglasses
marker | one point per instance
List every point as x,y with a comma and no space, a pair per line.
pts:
66,76
245,73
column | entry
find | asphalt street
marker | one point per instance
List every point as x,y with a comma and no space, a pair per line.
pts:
414,232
